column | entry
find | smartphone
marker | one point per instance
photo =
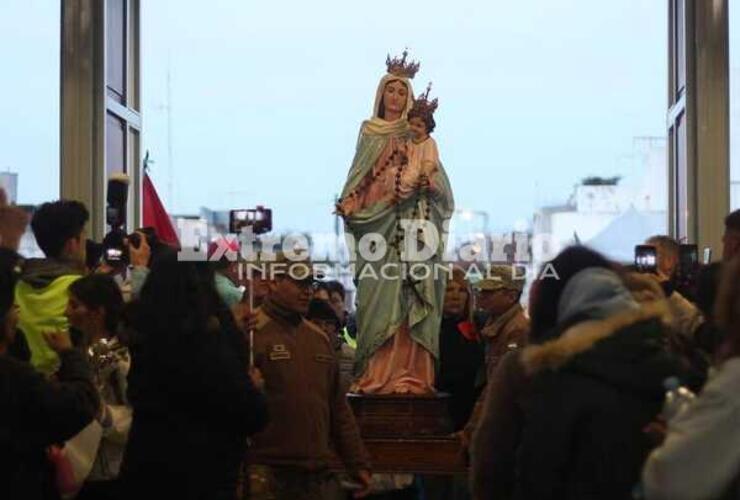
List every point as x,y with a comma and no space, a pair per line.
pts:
688,255
707,256
646,259
237,220
688,261
260,219
113,255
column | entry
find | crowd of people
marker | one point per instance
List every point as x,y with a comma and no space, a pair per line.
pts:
170,384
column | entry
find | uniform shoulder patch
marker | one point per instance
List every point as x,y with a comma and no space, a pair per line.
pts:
262,319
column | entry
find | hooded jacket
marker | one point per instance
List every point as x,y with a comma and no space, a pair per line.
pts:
42,295
592,391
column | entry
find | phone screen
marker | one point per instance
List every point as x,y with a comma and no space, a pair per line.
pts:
113,255
237,220
646,259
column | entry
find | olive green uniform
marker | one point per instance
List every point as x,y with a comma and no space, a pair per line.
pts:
308,409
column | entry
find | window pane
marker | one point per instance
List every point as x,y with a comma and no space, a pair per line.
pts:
115,149
132,97
734,13
682,193
133,156
680,30
29,106
116,49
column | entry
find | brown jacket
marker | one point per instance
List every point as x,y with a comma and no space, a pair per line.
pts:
496,437
508,332
307,407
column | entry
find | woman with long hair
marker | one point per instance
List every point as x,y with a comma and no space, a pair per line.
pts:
461,352
93,310
194,402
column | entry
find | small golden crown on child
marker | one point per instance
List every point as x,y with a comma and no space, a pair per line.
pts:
401,68
423,106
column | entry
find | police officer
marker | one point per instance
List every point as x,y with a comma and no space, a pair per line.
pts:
308,408
506,327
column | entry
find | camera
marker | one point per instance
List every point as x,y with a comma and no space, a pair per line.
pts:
646,259
260,219
688,261
114,248
116,252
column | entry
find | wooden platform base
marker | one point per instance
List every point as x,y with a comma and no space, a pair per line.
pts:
408,433
440,456
401,416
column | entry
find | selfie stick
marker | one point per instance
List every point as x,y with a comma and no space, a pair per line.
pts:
251,328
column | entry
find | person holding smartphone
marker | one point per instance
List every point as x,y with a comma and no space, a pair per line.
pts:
686,316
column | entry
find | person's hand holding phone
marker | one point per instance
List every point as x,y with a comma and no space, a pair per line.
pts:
139,255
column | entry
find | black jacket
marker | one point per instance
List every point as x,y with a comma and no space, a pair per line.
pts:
194,407
36,413
593,391
10,262
460,369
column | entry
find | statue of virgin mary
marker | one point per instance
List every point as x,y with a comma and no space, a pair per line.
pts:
398,312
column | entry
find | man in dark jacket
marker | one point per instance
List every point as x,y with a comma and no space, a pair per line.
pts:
35,413
507,327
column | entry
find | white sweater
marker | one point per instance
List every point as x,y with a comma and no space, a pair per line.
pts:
700,456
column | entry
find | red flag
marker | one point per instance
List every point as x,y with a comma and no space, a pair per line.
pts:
156,216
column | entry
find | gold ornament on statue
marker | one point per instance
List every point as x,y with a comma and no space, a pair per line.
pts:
400,67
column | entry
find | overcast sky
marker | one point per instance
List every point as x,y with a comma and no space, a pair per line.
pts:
267,97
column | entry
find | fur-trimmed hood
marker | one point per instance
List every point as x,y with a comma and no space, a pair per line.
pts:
596,347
